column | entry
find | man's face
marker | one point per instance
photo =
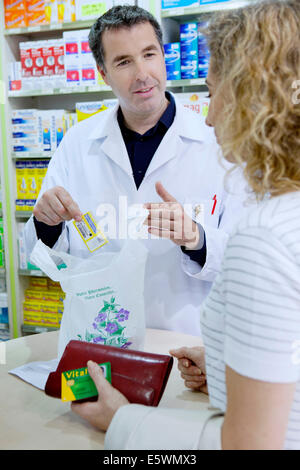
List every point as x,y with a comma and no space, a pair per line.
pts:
135,68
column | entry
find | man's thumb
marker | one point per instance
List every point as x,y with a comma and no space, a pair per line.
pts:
99,380
163,193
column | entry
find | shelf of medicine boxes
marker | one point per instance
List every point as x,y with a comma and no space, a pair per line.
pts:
49,27
29,329
187,13
91,89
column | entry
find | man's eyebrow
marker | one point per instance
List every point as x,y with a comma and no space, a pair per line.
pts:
151,47
119,58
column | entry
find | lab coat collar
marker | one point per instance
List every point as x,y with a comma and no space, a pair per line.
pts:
189,128
185,125
108,130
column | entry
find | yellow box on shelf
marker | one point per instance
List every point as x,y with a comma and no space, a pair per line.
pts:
38,283
33,295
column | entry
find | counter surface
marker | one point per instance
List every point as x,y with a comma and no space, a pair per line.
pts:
32,420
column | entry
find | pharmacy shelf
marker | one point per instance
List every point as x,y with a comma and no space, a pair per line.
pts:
93,89
29,329
50,27
23,214
59,91
2,272
4,326
29,155
31,272
185,13
186,83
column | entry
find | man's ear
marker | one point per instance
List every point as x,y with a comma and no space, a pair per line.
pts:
102,73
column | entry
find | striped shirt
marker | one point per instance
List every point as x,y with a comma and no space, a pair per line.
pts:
251,319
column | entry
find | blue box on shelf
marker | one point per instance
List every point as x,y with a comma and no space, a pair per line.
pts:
172,60
166,4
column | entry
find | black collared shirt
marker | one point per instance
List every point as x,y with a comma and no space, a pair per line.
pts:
141,148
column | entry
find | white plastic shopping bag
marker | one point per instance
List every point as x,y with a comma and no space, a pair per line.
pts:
104,301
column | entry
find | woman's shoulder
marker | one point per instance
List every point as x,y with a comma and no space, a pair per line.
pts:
274,214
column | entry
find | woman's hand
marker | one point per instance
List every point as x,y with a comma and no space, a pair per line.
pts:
191,363
101,412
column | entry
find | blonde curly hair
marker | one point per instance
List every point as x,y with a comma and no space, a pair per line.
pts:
255,56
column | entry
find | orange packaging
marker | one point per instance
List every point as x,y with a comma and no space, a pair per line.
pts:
16,19
35,5
36,18
15,5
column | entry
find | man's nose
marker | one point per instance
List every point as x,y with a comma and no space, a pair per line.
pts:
141,72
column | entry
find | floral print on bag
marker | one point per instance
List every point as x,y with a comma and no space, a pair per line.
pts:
109,326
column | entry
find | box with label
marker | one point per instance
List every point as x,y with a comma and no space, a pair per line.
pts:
26,59
3,307
89,9
66,11
31,180
33,295
197,102
15,19
58,128
172,60
72,58
51,11
44,127
15,76
21,179
88,74
88,109
36,18
37,58
2,259
15,5
48,58
38,283
41,170
166,4
203,51
59,57
189,50
205,2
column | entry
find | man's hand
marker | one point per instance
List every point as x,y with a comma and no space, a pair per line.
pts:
191,363
168,220
55,206
101,412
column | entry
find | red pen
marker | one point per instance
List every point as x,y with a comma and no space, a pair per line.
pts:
215,203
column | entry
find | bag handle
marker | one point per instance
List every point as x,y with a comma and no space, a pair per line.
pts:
42,256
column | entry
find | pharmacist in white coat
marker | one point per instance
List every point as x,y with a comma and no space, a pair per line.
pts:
148,149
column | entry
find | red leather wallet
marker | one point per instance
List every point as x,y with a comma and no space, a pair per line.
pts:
140,376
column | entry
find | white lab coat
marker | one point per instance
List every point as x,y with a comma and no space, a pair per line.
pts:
92,164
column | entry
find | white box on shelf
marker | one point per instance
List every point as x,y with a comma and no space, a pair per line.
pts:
72,58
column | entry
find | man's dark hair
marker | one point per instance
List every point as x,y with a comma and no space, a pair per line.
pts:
121,16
